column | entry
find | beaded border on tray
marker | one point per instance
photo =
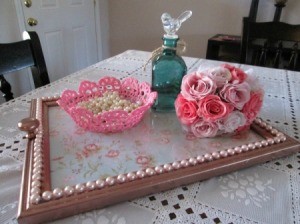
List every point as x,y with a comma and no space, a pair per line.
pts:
38,196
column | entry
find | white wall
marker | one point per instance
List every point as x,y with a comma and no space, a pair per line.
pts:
136,24
104,28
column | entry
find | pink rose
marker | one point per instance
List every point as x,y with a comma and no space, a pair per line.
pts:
212,108
220,76
236,94
143,160
186,110
236,73
112,153
164,140
232,122
203,129
91,147
197,85
253,106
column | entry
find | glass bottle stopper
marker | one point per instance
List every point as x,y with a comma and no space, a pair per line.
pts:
172,25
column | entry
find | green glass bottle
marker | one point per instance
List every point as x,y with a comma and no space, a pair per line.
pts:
168,69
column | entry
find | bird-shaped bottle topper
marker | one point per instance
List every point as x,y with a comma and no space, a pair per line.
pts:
172,25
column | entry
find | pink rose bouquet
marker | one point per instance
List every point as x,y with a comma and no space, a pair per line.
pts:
218,101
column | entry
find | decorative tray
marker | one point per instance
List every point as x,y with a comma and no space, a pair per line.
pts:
69,170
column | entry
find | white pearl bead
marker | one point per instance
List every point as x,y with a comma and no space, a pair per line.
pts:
263,124
36,183
279,134
282,138
274,131
269,127
36,176
215,155
264,143
140,174
37,144
57,193
270,141
150,171
69,190
47,195
193,161
37,170
237,149
37,153
107,102
38,158
121,178
167,167
277,140
79,188
110,181
131,176
251,146
158,169
184,163
258,145
100,183
38,164
176,165
35,198
200,159
37,149
35,190
91,185
223,153
244,148
208,157
257,120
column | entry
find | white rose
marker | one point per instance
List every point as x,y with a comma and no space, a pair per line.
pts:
220,76
234,120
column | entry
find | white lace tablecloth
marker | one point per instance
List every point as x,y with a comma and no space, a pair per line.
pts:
266,193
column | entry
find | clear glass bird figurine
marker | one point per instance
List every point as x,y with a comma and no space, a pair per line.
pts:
172,25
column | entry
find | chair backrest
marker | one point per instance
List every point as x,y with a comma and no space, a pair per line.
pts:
19,55
270,44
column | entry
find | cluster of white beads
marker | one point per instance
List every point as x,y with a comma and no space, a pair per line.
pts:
108,102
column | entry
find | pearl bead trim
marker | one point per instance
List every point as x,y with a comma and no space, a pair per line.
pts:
37,196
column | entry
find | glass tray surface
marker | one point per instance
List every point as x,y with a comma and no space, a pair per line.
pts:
78,156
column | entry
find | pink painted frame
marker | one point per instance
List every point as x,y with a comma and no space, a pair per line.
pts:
151,180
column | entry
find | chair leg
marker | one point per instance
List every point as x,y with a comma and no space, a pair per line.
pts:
5,88
278,55
292,65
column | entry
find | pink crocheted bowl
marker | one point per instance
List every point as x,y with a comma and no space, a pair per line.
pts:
108,121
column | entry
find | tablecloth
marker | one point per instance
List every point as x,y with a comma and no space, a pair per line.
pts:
266,193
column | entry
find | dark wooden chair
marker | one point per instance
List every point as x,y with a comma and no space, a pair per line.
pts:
270,44
20,55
